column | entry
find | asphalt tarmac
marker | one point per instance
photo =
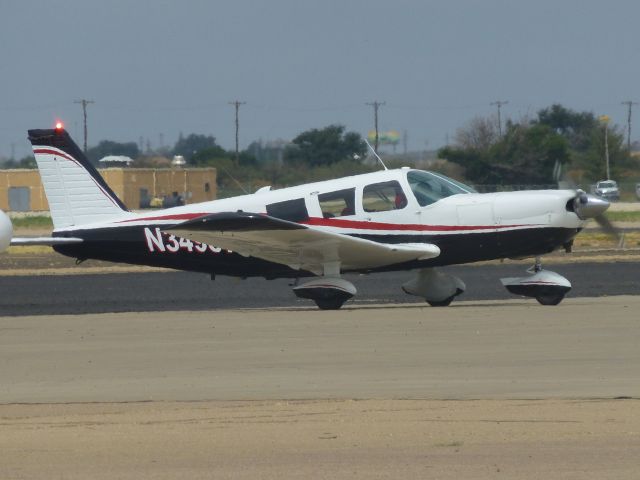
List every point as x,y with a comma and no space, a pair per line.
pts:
163,291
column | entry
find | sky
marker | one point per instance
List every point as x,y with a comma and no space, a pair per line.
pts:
158,68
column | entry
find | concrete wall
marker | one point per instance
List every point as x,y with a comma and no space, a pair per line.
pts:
193,184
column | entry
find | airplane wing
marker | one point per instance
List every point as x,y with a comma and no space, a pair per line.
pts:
301,247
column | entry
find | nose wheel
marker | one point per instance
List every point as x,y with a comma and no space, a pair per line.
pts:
547,287
550,299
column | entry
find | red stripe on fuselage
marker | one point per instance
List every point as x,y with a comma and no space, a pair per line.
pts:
350,224
176,216
363,225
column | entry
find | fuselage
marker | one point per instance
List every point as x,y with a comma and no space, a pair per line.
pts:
392,206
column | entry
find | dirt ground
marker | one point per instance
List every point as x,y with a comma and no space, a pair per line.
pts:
481,439
530,397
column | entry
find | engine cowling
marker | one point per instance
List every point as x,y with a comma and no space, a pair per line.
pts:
6,231
435,287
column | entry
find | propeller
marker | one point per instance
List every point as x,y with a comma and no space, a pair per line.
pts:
589,206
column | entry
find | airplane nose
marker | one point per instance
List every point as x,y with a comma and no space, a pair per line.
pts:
589,206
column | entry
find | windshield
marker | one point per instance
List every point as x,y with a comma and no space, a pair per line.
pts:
607,184
429,187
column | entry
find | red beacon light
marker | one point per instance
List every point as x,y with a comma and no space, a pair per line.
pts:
59,126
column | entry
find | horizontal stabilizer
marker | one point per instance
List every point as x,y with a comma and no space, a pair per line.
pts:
50,241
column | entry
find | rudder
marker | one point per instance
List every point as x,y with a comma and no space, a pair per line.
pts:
76,192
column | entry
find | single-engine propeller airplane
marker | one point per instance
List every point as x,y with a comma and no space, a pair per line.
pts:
399,219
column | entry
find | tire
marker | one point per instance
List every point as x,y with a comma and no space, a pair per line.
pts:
442,303
330,303
549,299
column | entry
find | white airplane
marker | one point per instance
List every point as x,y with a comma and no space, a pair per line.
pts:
400,219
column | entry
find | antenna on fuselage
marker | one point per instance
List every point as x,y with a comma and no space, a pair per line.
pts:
234,179
374,152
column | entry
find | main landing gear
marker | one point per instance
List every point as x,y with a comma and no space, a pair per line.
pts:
329,293
437,288
547,287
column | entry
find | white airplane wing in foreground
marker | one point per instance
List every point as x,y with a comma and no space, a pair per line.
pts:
298,246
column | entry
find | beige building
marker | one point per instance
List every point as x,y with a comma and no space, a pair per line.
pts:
22,190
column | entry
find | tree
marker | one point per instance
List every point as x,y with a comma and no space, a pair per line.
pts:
585,134
193,144
576,127
479,134
327,146
526,154
207,155
108,147
593,160
27,161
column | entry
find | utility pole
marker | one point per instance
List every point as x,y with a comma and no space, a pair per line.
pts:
499,104
604,119
237,104
376,105
84,104
629,104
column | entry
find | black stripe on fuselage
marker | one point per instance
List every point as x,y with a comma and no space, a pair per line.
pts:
474,247
130,245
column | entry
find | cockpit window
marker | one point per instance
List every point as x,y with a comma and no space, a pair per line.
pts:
430,187
382,197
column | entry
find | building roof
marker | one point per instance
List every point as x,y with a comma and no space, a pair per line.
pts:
122,159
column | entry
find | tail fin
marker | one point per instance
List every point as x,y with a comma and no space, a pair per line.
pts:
76,192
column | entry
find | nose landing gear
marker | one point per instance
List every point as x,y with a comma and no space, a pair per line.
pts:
547,287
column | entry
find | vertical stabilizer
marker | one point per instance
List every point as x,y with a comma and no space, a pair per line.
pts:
76,192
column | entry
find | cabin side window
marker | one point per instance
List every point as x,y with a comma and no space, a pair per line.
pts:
382,197
291,210
338,204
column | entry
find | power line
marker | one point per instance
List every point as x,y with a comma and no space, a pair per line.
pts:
629,104
375,104
84,104
237,104
499,104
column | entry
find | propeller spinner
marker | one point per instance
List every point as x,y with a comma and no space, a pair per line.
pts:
589,206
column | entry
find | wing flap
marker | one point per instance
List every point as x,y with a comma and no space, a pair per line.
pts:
295,245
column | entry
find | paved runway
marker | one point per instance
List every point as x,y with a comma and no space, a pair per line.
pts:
139,292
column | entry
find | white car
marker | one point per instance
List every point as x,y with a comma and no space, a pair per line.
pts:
607,189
